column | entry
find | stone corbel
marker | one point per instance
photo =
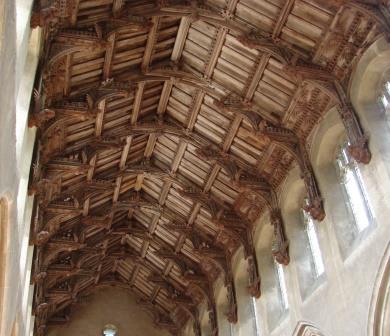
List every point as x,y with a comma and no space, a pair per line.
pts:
108,89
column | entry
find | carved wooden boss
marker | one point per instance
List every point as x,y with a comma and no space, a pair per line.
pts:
165,130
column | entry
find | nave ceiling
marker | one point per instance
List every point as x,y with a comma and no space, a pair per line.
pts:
166,129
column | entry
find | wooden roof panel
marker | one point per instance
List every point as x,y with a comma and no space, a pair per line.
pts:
166,130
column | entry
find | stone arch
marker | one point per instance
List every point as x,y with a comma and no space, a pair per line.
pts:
306,329
365,87
379,314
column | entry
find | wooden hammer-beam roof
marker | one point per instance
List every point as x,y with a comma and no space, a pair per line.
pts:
166,129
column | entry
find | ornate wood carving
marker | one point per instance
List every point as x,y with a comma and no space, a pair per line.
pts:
165,131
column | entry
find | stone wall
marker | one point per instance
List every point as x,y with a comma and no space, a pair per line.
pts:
19,49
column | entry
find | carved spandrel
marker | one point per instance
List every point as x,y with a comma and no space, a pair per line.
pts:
209,202
249,205
214,155
53,249
51,14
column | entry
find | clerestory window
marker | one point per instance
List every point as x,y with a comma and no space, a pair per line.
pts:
281,285
355,195
256,327
315,251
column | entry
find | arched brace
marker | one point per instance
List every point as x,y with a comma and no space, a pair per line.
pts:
224,261
52,251
315,206
107,90
51,227
91,40
123,25
57,277
289,141
194,315
53,139
58,51
181,77
358,147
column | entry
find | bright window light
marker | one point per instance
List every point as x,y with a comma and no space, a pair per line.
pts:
255,316
314,244
110,330
385,102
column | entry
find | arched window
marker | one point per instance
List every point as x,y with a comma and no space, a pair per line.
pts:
282,289
315,251
355,195
110,330
385,98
